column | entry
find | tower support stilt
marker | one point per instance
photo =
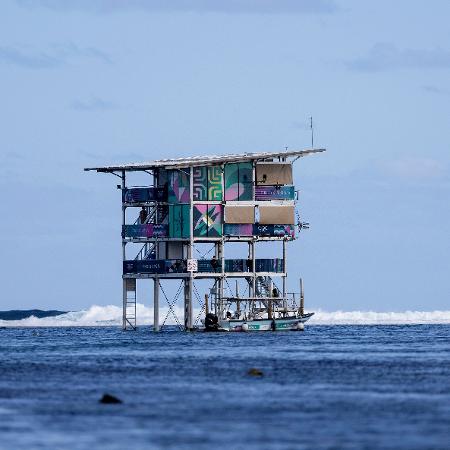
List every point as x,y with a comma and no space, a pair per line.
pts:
124,305
188,311
155,304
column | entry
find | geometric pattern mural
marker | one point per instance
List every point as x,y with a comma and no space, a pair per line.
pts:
207,220
215,183
200,188
207,183
178,184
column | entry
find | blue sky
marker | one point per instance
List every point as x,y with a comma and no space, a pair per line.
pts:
91,82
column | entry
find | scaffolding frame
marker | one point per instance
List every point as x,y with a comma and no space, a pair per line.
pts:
151,244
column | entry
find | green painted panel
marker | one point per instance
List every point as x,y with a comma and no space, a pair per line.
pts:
246,181
231,182
239,181
185,221
179,221
200,188
215,183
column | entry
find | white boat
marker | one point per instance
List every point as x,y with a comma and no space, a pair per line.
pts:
262,313
293,323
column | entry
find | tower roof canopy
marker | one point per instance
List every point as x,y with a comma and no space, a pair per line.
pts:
204,160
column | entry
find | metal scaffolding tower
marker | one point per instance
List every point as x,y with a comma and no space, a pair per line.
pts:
210,201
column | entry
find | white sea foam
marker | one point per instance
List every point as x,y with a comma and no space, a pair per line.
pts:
379,318
112,315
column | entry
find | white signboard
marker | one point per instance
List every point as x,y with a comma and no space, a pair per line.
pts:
192,265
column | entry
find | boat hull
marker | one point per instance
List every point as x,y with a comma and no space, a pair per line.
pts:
280,324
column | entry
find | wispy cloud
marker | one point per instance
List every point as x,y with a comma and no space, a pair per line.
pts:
435,90
384,56
93,104
56,56
30,60
414,168
200,6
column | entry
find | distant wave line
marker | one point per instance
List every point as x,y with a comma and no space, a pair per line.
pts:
109,315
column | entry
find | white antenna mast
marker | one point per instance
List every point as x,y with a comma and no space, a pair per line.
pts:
312,131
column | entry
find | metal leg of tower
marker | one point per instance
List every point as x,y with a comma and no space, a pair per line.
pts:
155,304
124,305
188,311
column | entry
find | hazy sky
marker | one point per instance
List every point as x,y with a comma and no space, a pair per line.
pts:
91,82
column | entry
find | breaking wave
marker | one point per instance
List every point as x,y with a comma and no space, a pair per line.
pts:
380,318
112,315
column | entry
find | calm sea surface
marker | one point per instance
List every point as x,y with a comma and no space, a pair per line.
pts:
331,387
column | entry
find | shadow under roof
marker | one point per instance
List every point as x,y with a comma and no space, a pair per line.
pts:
204,160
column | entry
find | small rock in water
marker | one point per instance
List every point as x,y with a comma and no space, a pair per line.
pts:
255,372
110,399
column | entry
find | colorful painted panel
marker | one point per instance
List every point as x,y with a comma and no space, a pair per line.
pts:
215,218
175,266
274,230
200,188
143,266
178,186
235,265
269,265
144,231
238,181
207,220
200,220
237,229
207,183
274,193
245,181
215,183
231,182
179,221
204,265
160,230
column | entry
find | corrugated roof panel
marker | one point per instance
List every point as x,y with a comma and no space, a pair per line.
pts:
203,160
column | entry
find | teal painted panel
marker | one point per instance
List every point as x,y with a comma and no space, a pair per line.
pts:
245,181
179,221
185,221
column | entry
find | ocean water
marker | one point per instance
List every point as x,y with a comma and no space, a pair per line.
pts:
330,387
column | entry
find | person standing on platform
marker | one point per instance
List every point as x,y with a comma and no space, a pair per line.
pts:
143,215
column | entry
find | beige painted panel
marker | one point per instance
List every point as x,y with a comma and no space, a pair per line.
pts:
277,215
273,174
239,214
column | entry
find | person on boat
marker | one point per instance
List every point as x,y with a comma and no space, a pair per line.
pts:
275,292
273,325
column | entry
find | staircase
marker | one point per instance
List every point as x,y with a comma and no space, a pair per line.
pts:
156,214
129,308
262,287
